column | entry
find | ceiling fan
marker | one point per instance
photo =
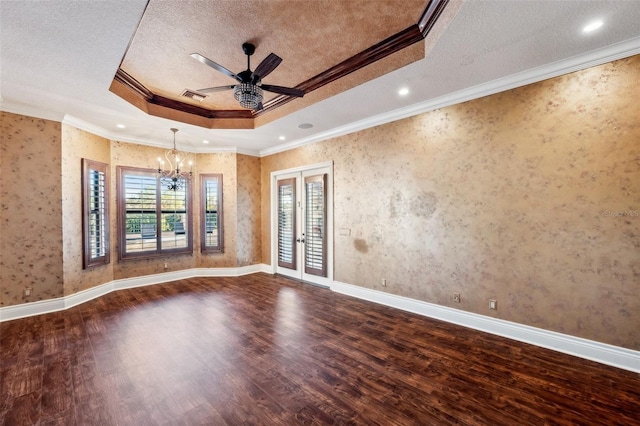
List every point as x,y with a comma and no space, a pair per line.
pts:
248,90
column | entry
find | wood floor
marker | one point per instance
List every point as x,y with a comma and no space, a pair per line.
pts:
267,350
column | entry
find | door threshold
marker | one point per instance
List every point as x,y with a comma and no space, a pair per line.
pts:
325,286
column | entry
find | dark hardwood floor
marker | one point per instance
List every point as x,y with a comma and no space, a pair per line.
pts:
267,350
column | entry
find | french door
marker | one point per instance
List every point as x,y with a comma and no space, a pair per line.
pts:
302,237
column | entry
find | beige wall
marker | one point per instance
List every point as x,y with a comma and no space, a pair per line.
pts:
227,165
514,196
76,145
248,234
133,155
30,209
41,190
505,197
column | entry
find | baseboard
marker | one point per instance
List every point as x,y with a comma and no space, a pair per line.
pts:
8,313
30,309
615,356
230,272
595,351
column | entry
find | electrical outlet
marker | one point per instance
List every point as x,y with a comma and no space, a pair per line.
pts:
27,292
493,304
456,297
384,282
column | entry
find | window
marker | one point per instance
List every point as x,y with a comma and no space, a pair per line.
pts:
287,223
315,254
95,213
211,213
153,220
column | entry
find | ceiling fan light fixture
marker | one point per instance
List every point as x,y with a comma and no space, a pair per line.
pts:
248,95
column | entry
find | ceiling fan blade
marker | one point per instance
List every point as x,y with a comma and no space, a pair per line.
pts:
266,66
283,90
216,89
217,67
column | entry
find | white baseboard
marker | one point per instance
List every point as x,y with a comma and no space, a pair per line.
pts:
52,305
615,356
600,352
30,309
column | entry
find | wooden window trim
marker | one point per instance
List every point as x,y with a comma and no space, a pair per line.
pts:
204,248
87,260
121,207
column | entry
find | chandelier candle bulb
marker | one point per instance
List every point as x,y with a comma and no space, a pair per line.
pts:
172,177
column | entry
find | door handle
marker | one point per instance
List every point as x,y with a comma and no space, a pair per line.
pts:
300,240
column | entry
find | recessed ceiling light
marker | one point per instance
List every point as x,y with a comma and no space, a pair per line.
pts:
281,138
205,141
404,91
120,126
592,26
305,126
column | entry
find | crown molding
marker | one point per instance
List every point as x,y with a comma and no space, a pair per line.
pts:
590,59
133,91
99,131
30,111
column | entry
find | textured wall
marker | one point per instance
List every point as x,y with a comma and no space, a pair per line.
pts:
46,157
30,209
310,154
76,145
227,165
133,155
531,196
248,234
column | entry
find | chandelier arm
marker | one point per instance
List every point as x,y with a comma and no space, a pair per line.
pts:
172,175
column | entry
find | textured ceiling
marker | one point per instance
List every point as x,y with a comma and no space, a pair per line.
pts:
310,36
58,59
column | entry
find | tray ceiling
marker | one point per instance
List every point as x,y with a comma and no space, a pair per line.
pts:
61,69
315,39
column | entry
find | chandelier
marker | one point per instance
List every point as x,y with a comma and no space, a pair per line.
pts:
248,95
173,176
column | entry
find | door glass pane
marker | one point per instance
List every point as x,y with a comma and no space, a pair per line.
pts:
315,225
286,223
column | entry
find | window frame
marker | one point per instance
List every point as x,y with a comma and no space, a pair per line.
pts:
204,248
121,172
87,260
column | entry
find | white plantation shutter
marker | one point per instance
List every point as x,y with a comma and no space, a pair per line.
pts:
211,226
315,225
153,220
287,223
95,196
